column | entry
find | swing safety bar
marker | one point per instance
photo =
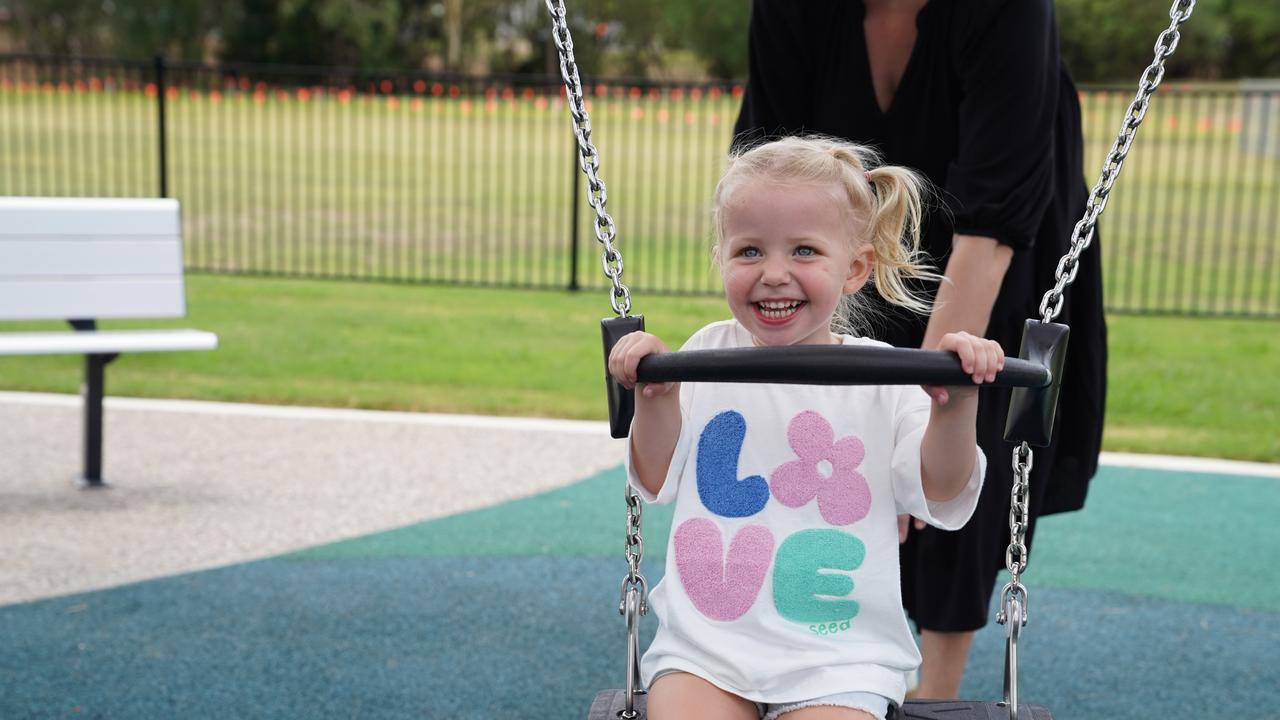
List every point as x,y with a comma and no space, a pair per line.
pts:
829,365
1035,375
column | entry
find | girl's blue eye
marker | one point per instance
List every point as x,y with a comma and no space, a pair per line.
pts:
806,251
750,252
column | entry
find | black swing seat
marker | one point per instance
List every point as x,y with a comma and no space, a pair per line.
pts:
609,704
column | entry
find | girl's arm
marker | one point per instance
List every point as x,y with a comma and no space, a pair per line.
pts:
655,429
948,449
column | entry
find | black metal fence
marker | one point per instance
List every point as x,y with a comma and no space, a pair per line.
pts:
416,177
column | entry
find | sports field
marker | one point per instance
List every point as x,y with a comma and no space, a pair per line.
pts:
479,188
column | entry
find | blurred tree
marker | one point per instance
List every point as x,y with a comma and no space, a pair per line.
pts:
471,30
1103,40
60,27
358,33
716,30
416,32
1253,48
249,29
178,29
620,37
1106,41
610,37
524,40
629,34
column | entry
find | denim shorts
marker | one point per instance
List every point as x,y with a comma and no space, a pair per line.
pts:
876,705
868,702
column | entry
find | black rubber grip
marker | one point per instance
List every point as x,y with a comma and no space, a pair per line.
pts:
829,365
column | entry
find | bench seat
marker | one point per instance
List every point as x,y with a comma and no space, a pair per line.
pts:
84,260
105,342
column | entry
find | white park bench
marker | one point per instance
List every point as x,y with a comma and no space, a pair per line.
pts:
87,259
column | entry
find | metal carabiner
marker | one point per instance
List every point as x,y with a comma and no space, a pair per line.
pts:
1012,617
629,585
632,603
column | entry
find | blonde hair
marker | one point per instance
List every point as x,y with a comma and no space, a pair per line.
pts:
885,207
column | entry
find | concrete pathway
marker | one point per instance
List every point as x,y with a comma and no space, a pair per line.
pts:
197,485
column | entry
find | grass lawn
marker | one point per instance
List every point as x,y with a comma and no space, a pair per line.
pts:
472,190
1179,386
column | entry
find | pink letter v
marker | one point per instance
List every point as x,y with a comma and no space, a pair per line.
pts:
722,588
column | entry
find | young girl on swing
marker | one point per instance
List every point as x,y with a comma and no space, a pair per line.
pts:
781,596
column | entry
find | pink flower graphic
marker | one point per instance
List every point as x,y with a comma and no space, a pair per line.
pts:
827,470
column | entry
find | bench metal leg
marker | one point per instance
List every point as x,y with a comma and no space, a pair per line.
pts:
92,392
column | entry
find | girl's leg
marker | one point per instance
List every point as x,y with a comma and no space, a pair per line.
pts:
944,656
679,695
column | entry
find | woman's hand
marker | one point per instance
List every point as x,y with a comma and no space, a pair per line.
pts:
903,521
979,357
626,356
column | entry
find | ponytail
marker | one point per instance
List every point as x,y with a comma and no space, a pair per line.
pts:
894,231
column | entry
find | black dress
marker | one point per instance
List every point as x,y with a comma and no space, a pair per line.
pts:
986,110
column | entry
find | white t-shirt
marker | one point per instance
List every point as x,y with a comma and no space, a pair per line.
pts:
782,567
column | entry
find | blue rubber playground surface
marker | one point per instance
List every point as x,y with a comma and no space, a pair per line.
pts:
1160,600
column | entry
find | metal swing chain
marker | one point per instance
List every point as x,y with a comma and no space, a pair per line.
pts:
1082,236
1150,79
611,258
1013,598
589,158
634,592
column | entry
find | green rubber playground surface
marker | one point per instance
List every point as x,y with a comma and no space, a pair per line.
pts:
1160,599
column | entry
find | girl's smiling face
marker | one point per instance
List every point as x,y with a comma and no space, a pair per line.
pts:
787,256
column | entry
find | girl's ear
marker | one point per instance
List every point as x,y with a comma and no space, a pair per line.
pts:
860,266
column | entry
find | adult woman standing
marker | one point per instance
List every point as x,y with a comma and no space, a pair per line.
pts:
973,94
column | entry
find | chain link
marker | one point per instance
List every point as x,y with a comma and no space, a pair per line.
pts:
589,158
1013,598
634,549
1015,557
1082,235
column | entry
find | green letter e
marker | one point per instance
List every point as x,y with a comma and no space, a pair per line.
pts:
798,581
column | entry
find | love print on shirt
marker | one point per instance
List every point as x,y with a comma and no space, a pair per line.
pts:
825,469
724,585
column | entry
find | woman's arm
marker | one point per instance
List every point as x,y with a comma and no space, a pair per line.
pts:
1001,180
968,291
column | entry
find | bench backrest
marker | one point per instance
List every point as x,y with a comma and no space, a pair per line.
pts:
90,258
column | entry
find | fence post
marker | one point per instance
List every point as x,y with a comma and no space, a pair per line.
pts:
573,222
158,64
